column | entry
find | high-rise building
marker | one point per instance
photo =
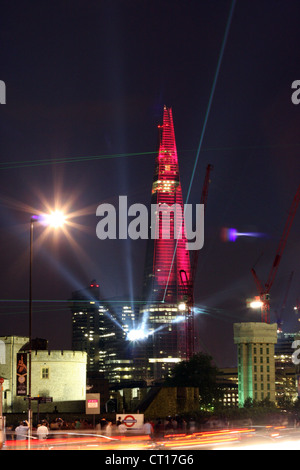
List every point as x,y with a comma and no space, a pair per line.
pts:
124,359
100,327
87,324
167,254
286,371
167,259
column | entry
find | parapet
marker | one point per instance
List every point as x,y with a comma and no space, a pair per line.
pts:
60,356
254,332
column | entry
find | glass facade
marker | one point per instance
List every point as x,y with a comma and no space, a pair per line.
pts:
100,327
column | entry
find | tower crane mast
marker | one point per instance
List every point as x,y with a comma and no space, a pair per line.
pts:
188,283
279,314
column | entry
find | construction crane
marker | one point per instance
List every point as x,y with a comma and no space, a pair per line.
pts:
279,315
187,283
264,291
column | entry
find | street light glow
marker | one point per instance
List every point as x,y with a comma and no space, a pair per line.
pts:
55,219
256,304
136,335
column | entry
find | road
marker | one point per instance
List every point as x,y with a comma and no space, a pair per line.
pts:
265,437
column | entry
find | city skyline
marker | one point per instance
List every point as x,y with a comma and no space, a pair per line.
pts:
85,90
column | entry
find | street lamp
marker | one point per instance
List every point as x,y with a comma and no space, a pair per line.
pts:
256,303
55,219
1,414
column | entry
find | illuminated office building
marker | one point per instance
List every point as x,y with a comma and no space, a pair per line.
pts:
124,360
88,324
100,328
287,373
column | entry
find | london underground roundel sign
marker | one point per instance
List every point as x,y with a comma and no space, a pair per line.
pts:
129,421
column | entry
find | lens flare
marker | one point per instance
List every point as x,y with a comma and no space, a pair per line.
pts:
182,307
55,219
137,335
231,234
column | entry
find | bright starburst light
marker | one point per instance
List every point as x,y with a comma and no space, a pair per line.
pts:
137,335
55,219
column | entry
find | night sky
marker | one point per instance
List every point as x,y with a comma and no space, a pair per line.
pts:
86,82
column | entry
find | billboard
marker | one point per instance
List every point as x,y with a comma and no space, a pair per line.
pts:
92,404
21,374
2,353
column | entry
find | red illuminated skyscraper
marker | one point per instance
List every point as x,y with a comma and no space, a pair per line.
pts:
167,256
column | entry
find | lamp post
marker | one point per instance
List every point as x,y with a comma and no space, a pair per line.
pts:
1,414
33,219
55,219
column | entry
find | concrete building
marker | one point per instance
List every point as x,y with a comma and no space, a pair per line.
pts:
256,363
60,375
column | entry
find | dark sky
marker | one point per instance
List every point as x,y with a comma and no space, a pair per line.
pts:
90,79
